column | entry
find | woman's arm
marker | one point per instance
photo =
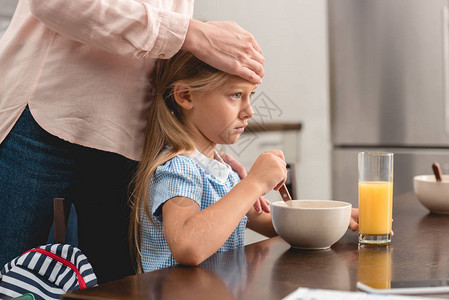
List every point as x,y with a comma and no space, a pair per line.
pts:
126,27
136,29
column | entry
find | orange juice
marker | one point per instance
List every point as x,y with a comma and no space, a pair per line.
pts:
375,207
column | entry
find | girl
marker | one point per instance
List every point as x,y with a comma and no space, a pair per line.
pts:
187,203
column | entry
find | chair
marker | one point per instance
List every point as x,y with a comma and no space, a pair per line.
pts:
61,211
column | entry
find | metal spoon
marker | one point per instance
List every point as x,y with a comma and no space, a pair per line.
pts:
437,171
285,195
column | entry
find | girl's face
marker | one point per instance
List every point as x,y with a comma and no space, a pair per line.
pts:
220,116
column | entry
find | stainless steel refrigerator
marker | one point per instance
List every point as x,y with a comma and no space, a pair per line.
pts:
389,87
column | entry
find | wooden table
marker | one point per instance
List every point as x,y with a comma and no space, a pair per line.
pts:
271,269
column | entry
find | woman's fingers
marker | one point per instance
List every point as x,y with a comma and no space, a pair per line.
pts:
227,47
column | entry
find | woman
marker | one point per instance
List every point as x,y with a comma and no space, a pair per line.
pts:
73,106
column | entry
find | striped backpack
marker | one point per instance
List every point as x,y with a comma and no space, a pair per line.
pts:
46,272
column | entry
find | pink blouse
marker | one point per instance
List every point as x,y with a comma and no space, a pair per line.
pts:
82,67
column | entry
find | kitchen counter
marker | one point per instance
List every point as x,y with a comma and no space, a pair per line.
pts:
271,269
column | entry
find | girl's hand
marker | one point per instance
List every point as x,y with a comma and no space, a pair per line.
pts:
264,205
261,204
269,171
354,222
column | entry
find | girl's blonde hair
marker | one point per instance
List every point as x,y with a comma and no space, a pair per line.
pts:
166,134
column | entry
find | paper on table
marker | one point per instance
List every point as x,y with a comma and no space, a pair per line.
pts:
320,294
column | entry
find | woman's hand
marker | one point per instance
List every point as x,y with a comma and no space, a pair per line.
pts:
227,47
261,204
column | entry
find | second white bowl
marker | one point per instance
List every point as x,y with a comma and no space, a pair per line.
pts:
432,194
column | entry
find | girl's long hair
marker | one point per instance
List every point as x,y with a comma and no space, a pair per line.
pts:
166,134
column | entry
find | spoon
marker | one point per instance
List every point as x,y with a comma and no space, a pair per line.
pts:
437,171
285,195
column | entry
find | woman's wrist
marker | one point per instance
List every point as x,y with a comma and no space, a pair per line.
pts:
191,42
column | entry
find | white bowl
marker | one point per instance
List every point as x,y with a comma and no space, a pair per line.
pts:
432,194
311,224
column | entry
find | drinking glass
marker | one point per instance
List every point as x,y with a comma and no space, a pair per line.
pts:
375,197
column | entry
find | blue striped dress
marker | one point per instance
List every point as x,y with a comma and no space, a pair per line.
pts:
197,177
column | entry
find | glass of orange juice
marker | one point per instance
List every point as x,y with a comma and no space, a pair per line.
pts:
375,197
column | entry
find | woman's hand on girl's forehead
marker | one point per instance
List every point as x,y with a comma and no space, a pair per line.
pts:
227,47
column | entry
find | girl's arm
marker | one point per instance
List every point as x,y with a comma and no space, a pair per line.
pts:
260,222
193,234
261,204
354,222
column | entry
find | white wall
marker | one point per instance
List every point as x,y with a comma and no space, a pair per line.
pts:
293,38
7,8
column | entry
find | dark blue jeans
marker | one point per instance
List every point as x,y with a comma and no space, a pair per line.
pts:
35,167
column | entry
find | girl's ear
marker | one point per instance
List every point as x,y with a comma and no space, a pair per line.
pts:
182,95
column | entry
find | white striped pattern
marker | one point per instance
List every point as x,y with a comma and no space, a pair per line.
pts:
44,277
